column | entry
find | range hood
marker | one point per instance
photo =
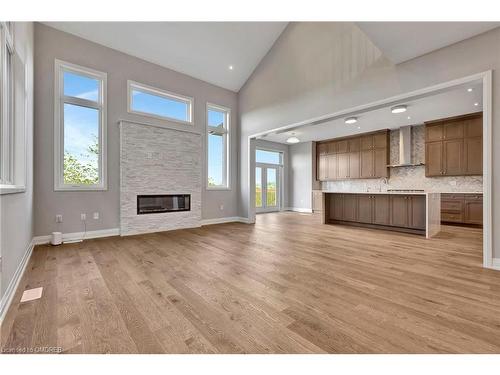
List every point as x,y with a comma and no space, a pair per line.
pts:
405,148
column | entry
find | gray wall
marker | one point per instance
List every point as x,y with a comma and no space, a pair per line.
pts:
17,209
319,68
301,175
51,44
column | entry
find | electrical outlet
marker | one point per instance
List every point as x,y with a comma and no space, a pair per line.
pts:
83,217
96,215
58,218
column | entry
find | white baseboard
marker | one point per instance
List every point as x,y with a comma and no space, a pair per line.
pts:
14,283
221,220
40,240
495,264
298,209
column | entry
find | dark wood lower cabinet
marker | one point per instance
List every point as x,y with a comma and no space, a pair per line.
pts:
462,208
390,211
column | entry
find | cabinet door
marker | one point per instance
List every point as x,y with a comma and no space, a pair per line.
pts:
322,148
474,127
343,166
434,132
473,211
380,162
365,208
366,164
399,210
322,167
350,207
338,207
366,142
380,140
342,146
354,165
381,209
453,157
433,159
331,170
332,147
417,212
354,144
453,130
473,156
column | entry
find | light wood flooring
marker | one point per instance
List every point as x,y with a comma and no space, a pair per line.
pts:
284,285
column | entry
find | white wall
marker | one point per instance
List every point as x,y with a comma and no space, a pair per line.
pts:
17,209
315,69
301,175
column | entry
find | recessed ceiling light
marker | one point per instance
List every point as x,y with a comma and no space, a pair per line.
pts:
409,117
231,67
476,104
359,127
351,120
398,109
293,139
469,89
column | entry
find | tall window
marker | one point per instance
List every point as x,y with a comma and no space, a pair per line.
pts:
80,128
152,102
7,106
218,132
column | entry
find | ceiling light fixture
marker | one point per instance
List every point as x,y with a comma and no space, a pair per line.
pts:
351,120
293,139
231,67
476,104
469,89
399,109
409,117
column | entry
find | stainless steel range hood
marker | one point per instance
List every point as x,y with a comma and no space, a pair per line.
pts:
405,148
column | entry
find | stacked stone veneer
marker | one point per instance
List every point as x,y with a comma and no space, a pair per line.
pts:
157,160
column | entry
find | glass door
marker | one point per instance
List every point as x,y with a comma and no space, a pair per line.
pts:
267,188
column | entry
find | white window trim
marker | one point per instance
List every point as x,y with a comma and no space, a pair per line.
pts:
13,137
132,85
227,162
59,100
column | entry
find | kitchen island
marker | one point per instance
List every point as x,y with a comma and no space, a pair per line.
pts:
416,212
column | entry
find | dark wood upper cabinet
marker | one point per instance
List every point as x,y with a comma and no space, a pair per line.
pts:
453,147
364,156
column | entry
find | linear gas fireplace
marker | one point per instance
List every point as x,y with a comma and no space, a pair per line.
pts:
154,204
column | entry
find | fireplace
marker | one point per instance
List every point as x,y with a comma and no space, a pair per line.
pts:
155,204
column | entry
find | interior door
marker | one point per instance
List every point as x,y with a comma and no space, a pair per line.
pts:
267,188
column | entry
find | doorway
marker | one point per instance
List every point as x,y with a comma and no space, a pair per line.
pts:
268,175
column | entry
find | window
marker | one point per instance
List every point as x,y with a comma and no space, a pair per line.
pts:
267,157
80,128
217,147
12,114
152,102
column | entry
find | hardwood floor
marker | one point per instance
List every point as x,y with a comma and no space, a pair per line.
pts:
284,285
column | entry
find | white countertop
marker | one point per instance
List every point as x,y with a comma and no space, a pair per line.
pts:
401,192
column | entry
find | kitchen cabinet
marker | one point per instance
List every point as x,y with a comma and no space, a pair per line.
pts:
365,156
453,147
460,208
391,211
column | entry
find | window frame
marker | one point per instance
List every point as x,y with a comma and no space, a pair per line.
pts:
227,146
59,100
133,85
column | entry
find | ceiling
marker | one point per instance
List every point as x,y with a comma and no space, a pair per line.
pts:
402,41
203,50
455,102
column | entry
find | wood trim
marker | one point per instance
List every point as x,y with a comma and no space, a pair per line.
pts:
453,118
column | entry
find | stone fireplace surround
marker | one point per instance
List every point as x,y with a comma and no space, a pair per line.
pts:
158,160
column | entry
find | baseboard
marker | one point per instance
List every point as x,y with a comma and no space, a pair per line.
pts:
298,209
222,220
495,264
14,283
40,240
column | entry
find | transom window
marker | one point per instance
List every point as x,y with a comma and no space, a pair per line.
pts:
268,157
217,147
80,128
149,101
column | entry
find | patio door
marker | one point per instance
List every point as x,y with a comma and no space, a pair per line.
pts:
267,187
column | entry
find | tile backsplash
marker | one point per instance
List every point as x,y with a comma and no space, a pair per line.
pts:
409,177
